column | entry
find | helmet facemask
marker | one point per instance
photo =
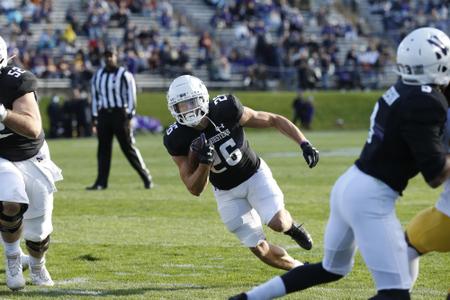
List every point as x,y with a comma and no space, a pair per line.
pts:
191,111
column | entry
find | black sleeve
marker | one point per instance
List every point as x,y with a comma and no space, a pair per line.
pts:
27,83
229,108
175,147
422,128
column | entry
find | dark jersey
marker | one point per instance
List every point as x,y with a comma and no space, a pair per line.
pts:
234,161
14,83
405,135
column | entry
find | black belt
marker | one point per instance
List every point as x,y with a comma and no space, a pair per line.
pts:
113,109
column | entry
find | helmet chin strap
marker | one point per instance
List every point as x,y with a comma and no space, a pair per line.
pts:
214,124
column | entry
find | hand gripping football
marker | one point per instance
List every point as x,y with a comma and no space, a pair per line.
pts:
203,150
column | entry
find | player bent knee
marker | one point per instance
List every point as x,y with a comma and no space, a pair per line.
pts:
11,216
429,231
37,229
281,221
38,247
249,234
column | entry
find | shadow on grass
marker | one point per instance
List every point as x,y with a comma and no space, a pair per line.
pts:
58,292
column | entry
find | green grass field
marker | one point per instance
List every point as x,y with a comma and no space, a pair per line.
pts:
131,243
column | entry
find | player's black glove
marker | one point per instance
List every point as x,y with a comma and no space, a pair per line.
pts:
310,154
204,149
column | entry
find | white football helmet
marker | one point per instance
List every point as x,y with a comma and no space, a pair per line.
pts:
188,100
423,57
3,53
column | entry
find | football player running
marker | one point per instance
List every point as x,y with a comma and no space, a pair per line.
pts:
405,138
27,176
429,230
246,193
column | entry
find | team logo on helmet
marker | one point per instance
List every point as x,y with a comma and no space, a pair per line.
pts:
435,41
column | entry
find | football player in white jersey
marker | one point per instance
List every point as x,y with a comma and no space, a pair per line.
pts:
405,138
27,176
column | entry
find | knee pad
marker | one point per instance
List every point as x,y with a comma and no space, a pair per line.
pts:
12,223
39,247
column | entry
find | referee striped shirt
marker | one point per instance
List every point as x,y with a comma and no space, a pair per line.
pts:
114,88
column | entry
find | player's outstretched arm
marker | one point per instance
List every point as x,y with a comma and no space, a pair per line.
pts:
194,180
262,119
24,118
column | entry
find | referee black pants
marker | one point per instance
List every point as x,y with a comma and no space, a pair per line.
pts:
112,122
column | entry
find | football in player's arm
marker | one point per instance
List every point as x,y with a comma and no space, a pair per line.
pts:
197,179
208,143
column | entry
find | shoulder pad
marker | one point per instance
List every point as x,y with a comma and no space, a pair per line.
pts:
172,127
226,108
177,140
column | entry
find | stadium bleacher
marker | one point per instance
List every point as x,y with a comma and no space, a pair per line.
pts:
271,45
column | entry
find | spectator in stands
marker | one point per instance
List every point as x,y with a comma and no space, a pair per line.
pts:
69,35
166,14
121,16
182,27
72,19
205,45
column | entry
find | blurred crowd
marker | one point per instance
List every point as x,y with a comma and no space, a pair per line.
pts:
73,50
268,42
401,16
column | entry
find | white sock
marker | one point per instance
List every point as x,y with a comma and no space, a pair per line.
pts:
34,261
413,258
273,288
12,248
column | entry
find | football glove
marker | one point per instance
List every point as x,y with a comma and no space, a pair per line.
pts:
310,154
203,149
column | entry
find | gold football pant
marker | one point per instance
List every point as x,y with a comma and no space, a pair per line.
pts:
429,231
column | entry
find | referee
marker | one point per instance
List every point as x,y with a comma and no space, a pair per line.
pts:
113,105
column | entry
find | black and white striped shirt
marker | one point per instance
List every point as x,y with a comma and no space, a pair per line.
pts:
113,89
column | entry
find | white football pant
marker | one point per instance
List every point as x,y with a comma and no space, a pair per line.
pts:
363,215
31,181
243,208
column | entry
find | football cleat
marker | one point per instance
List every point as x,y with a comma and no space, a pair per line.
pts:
299,234
241,296
95,187
13,269
148,184
40,276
